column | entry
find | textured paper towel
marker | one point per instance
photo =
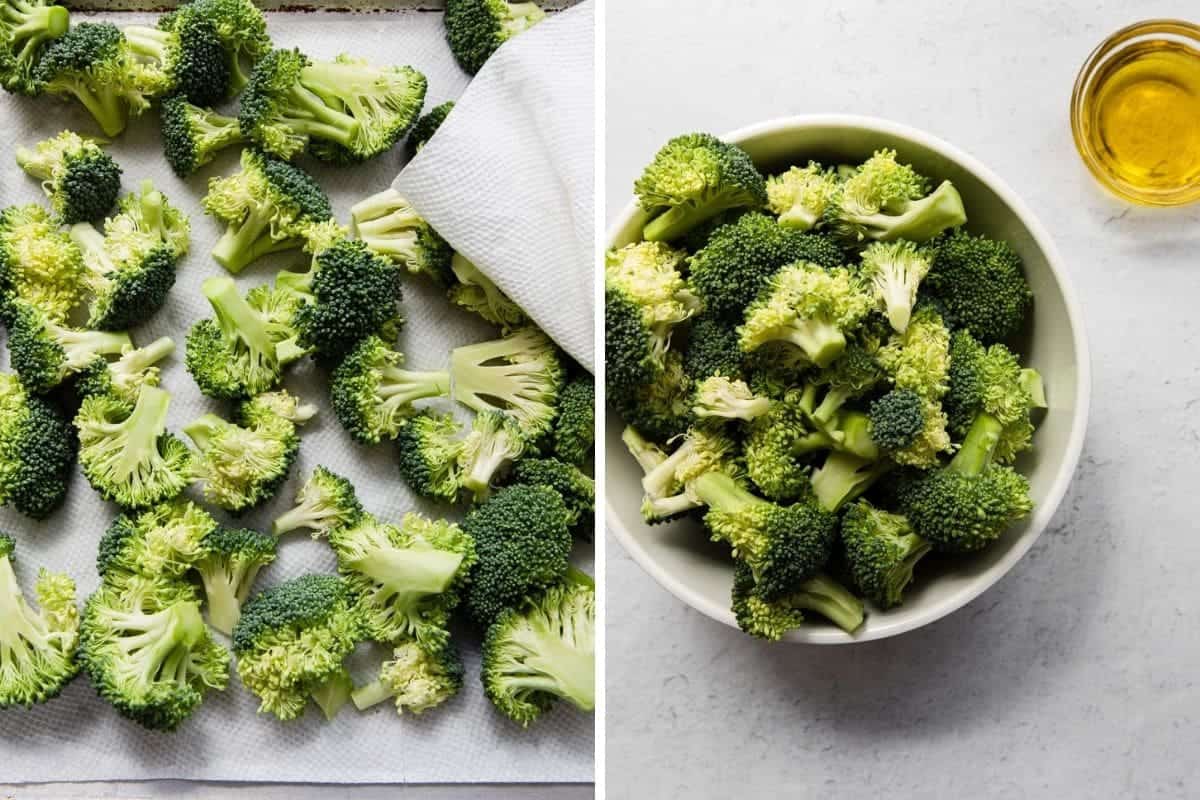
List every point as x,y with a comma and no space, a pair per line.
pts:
78,736
517,151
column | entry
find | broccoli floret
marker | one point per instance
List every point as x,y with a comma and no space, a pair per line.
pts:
811,307
989,382
844,477
495,441
39,264
419,676
777,447
575,428
325,501
968,504
235,355
577,489
291,640
26,27
390,227
668,485
429,447
81,180
269,408
126,452
44,352
238,24
712,349
650,457
740,258
919,359
343,110
406,579
373,395
37,648
982,283
884,200
231,562
269,207
800,196
476,28
661,408
897,419
161,542
853,374
723,398
92,62
192,136
523,543
894,271
693,178
148,652
770,620
37,451
426,126
188,58
521,375
881,551
543,651
243,467
131,268
473,291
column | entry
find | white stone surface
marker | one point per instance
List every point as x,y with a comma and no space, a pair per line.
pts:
1075,675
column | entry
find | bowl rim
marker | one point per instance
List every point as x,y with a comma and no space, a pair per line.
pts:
1042,515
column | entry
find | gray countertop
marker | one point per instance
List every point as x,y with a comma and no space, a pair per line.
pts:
1074,676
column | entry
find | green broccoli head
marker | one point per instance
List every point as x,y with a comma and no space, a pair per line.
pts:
473,291
242,467
419,676
162,542
777,448
428,448
881,551
39,264
125,377
919,359
982,283
231,560
577,489
520,375
426,126
81,180
523,543
883,200
37,648
291,641
476,28
44,352
543,651
193,136
37,451
661,408
268,207
238,24
800,196
373,395
188,58
26,28
693,178
495,441
325,501
988,382
390,227
712,349
575,428
407,578
148,652
126,453
894,271
897,419
771,619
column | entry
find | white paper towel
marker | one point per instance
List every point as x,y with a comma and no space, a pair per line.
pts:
517,150
78,736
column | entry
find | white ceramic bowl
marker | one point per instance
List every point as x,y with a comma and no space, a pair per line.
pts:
679,556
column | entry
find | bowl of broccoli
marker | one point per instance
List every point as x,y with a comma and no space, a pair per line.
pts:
847,377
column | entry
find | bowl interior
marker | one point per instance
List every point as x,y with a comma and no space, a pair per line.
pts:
679,555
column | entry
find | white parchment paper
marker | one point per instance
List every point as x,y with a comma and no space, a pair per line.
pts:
78,736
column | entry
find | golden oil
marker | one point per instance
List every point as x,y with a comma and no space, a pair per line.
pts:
1137,118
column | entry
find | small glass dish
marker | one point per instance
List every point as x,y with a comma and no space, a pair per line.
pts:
1174,38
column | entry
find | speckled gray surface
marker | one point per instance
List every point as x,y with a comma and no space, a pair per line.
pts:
1075,675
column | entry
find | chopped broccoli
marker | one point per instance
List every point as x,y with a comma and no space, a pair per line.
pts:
919,359
373,395
855,372
523,543
390,227
881,551
269,207
543,651
495,441
426,126
712,349
39,264
476,28
575,428
419,676
162,542
577,489
982,283
37,451
777,447
188,58
126,452
668,485
44,352
771,619
269,408
334,693
81,180
475,292
521,375
693,178
238,24
811,307
800,196
844,477
429,448
37,648
406,579
895,271
989,382
661,408
231,562
884,200
723,398
192,136
26,27
897,419
325,501
291,640
343,110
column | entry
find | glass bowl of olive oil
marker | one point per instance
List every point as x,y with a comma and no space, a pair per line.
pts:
1135,112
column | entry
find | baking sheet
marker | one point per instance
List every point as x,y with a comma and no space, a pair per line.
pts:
79,737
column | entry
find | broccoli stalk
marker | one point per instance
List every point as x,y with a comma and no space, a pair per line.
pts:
520,375
44,353
844,477
25,29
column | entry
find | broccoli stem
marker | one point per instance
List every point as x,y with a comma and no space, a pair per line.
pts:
831,600
554,667
721,492
235,316
1031,382
821,341
660,481
382,211
917,220
677,221
399,387
646,453
520,17
223,586
142,430
22,631
321,121
975,454
333,694
81,346
372,694
33,25
900,574
202,429
487,460
105,106
91,244
844,477
310,513
141,359
409,572
249,240
149,43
